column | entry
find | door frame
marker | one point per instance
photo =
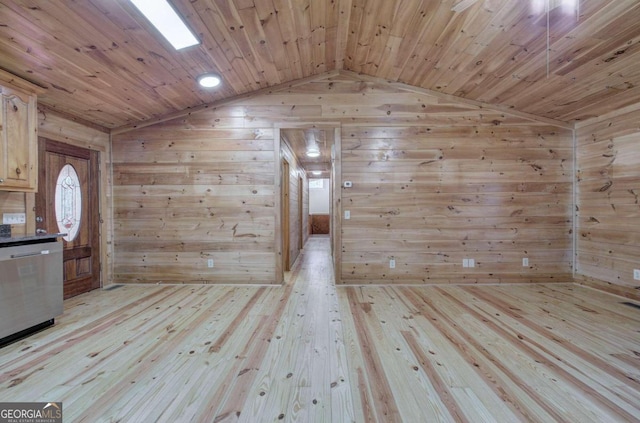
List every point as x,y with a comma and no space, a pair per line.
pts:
300,212
75,131
30,200
286,215
336,194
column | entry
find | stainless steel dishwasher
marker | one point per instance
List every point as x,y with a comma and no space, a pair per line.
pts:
30,288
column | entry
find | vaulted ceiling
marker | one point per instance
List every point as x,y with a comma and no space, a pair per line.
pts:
101,61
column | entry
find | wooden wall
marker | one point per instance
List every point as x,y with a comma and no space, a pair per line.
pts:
608,216
298,223
320,224
430,197
14,202
194,189
435,180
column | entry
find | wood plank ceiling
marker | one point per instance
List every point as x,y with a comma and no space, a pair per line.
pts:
101,61
299,140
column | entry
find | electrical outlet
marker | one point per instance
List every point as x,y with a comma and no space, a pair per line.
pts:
210,263
392,264
465,262
472,263
636,274
347,215
525,262
14,218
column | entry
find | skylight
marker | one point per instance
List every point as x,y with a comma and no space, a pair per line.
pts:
163,16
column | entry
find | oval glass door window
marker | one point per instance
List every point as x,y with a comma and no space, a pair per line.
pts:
68,202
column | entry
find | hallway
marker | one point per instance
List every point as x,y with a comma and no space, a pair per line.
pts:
309,352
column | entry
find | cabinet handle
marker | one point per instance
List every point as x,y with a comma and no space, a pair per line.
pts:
43,252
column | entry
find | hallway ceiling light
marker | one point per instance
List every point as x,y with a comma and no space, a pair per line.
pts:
313,151
164,17
316,172
311,138
209,80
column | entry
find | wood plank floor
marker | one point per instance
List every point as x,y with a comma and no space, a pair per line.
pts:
312,353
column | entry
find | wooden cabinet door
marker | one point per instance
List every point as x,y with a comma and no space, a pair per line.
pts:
77,215
18,144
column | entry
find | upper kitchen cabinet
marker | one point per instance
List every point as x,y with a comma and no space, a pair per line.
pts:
18,134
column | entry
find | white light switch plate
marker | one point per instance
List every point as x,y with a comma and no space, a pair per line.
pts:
347,214
14,218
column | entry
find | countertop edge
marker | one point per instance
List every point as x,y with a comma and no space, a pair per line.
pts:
26,238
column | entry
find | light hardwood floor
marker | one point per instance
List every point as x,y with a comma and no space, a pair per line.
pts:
308,352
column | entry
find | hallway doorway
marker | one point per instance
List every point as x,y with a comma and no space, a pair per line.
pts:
307,153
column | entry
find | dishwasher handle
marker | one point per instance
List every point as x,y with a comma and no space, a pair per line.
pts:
43,252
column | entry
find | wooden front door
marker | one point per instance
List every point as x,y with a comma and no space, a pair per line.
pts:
77,215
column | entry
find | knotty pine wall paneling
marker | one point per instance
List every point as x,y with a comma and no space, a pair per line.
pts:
608,212
435,180
297,228
194,189
429,197
15,202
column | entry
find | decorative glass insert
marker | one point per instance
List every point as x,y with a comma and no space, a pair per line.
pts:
68,202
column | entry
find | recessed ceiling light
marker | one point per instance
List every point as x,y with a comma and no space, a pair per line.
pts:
209,80
163,16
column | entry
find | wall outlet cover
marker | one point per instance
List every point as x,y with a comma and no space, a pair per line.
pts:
14,218
636,274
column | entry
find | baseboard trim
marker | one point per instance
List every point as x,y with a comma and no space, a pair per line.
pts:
611,288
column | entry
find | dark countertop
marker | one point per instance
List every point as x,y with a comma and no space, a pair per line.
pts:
29,238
